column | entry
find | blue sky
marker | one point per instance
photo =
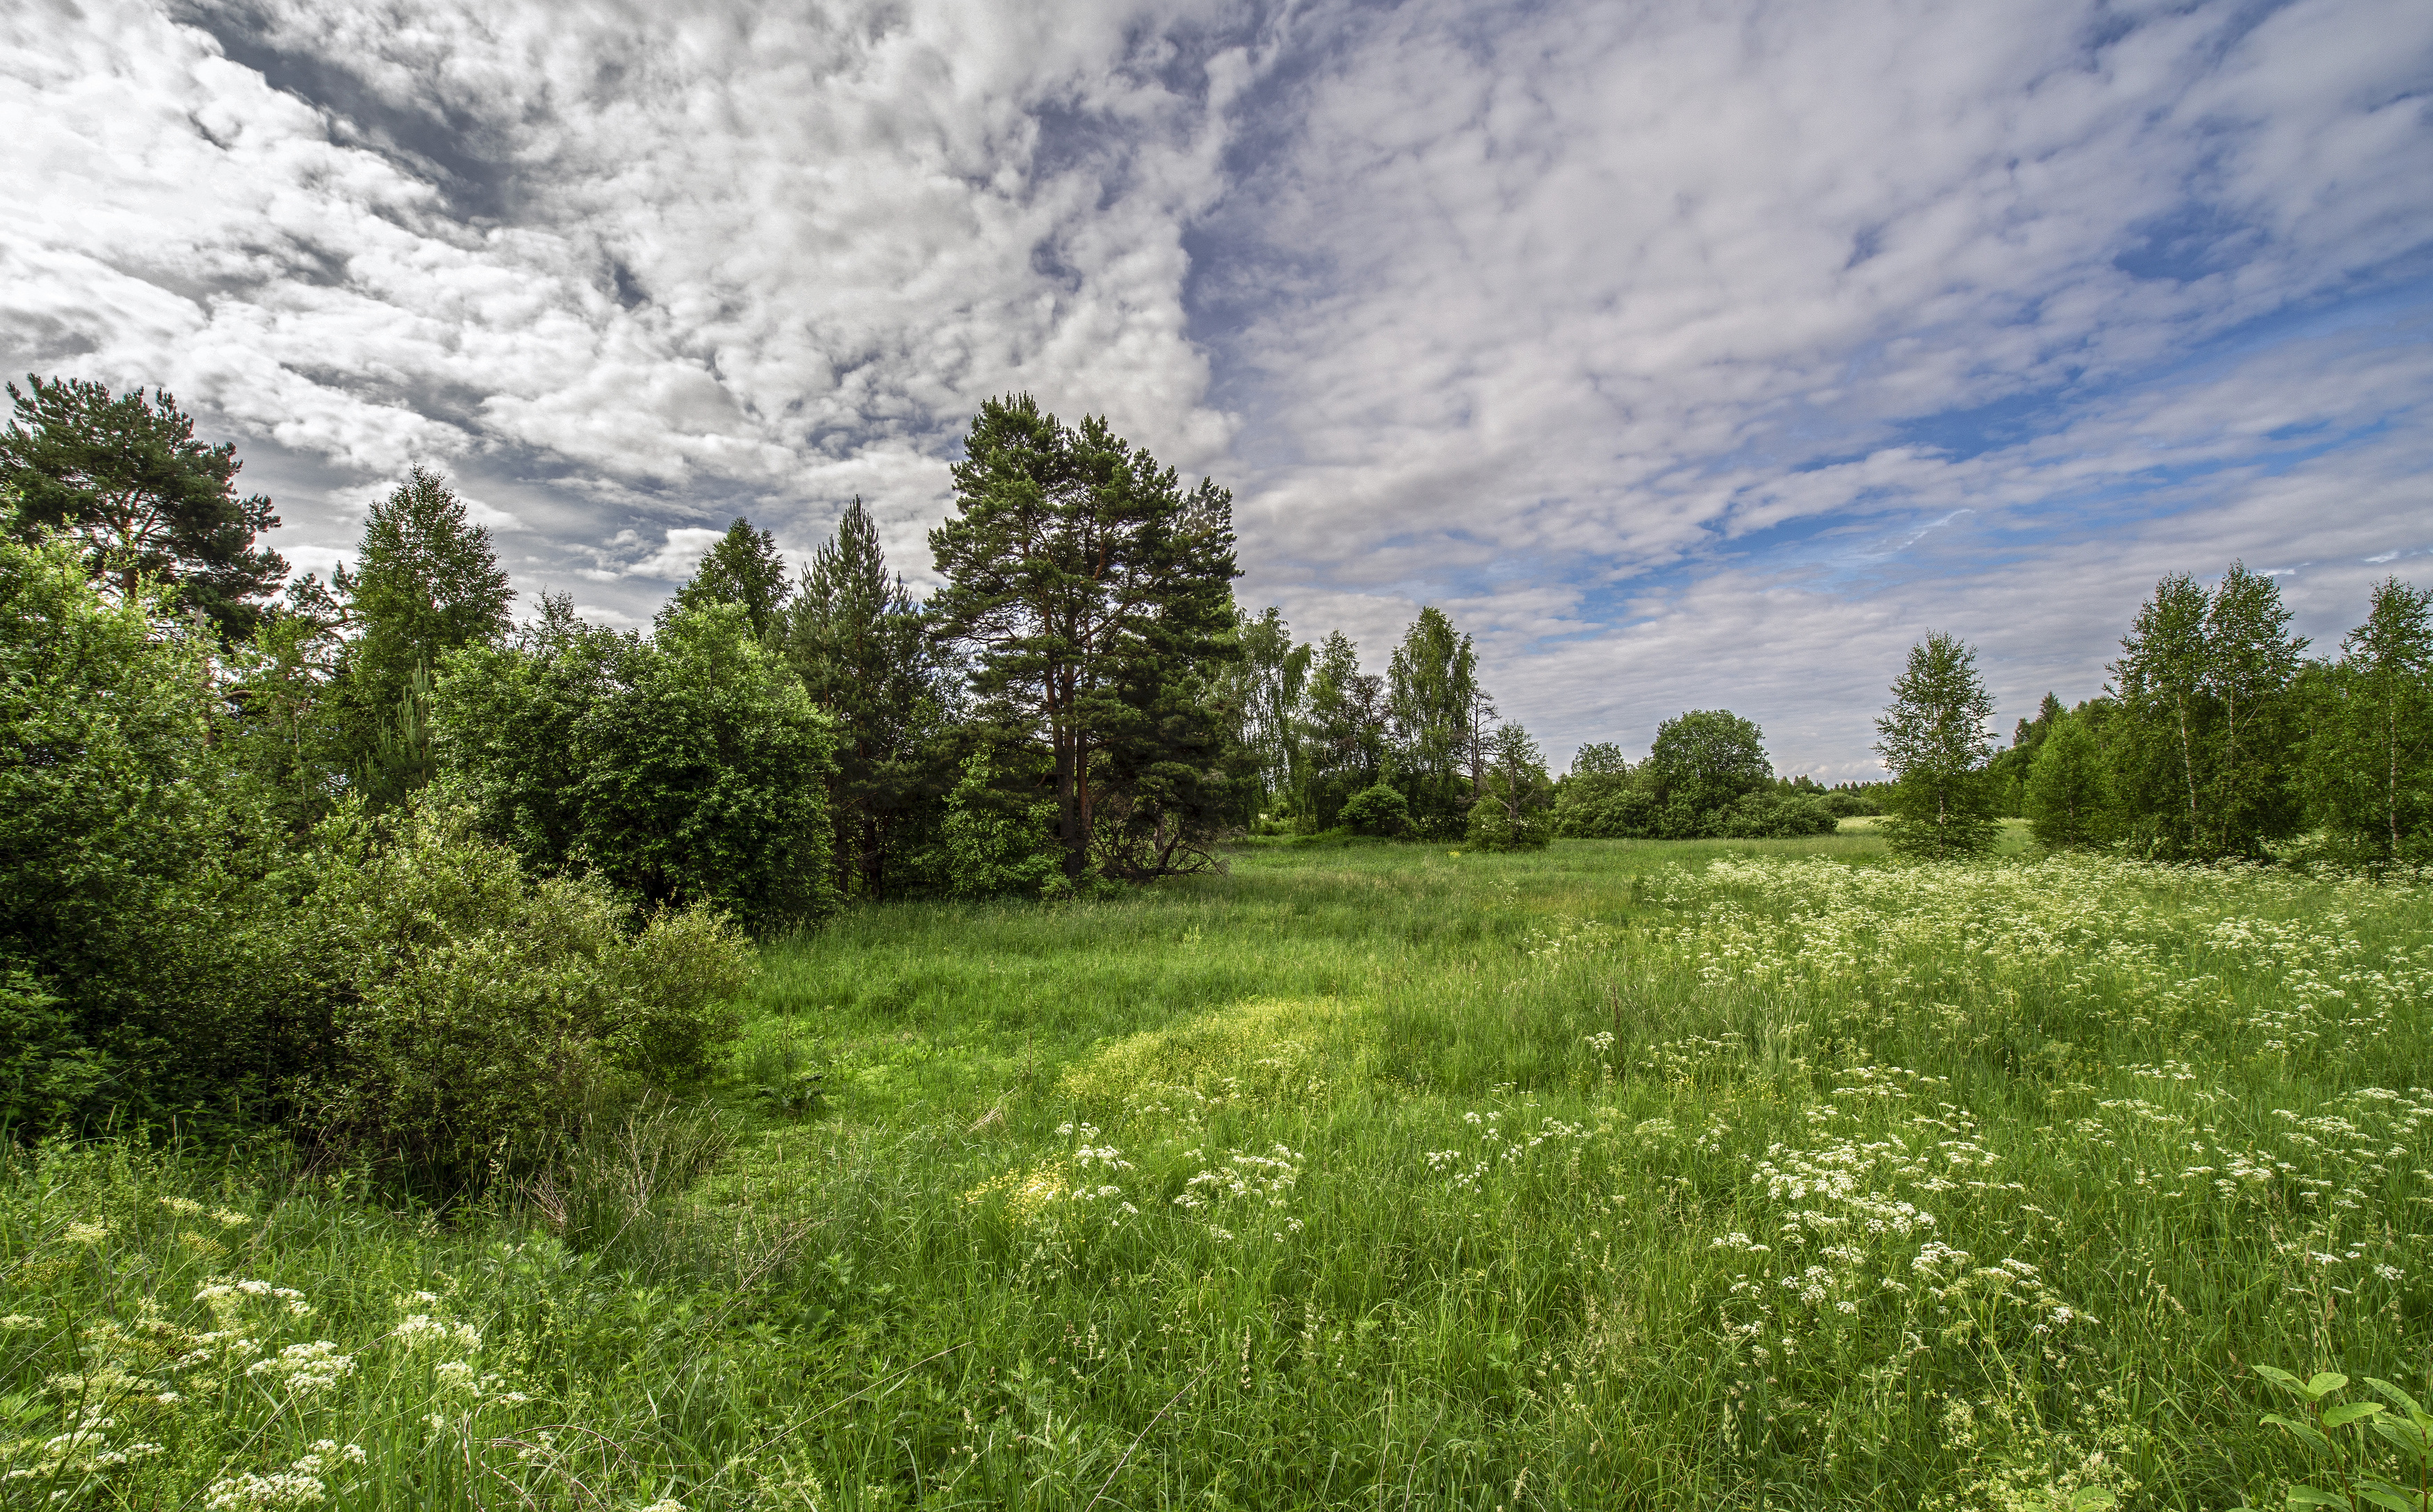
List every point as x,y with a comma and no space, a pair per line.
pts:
1691,355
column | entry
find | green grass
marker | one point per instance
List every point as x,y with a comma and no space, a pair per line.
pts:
1712,1175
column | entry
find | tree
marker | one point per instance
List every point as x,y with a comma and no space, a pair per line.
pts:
863,651
1512,809
743,568
2209,718
687,769
1600,759
1270,684
2371,754
1433,700
2250,661
2066,793
1700,763
1091,587
1345,732
1933,738
126,480
425,583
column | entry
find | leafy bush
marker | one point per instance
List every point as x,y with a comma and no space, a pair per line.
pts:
992,843
689,767
1596,807
140,888
1378,810
1773,816
479,1013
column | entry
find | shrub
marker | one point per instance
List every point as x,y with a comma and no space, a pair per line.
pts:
689,767
476,1012
1378,810
992,843
139,869
1595,808
1773,816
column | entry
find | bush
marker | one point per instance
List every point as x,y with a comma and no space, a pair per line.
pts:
1378,810
1773,816
689,767
1586,809
140,870
478,1014
992,843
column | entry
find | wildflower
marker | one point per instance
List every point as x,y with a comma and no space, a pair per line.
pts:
185,1207
82,1232
315,1367
420,1329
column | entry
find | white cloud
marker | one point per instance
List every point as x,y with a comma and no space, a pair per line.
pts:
1609,326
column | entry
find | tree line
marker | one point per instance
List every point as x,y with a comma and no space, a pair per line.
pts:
2216,739
370,855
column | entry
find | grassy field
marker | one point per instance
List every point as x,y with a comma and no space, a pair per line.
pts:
1700,1176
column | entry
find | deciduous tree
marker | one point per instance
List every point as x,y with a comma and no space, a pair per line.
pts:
1933,738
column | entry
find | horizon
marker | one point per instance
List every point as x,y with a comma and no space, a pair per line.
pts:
1685,360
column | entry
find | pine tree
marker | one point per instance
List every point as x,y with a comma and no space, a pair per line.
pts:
126,480
1933,738
1093,590
855,637
743,568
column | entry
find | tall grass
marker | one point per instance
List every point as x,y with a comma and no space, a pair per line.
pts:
1728,1175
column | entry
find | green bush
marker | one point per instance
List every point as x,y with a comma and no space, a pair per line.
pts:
689,767
1378,810
478,1014
1596,807
139,873
1773,816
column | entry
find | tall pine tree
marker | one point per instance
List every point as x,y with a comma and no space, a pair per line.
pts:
1092,588
861,646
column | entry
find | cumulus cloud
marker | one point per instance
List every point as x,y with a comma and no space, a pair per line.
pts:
1689,354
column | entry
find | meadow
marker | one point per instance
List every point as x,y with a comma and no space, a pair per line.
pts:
1696,1175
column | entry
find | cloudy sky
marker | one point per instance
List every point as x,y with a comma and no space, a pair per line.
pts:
1689,354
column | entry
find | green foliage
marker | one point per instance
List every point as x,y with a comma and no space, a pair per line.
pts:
480,1014
2369,755
993,842
140,961
1513,807
745,568
864,655
690,767
1932,739
125,479
1344,730
2205,746
2376,1454
1377,810
1435,705
1094,591
1774,816
1603,809
2068,797
1702,760
425,585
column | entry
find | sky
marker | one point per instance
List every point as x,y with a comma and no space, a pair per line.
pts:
1688,354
